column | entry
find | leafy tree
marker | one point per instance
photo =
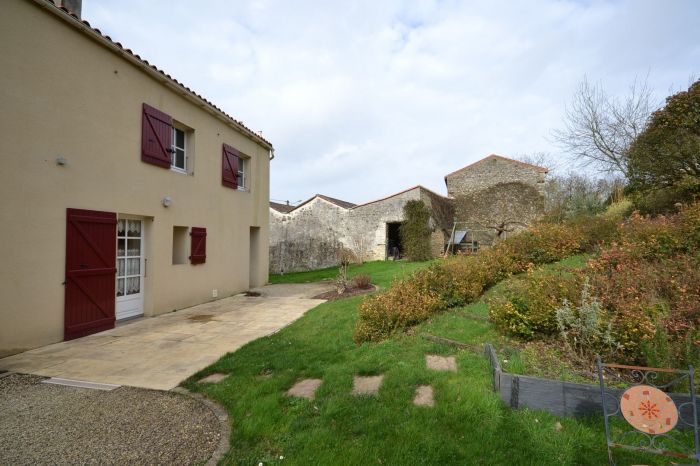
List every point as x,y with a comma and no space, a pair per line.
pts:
415,231
664,160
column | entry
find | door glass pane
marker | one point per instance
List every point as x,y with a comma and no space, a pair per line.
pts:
134,228
133,285
121,227
120,287
133,266
133,247
120,267
120,247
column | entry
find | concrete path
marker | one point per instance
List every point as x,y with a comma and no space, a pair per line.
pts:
162,351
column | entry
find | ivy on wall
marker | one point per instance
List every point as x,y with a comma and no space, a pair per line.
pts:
415,231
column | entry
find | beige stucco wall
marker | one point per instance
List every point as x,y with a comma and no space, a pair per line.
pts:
63,94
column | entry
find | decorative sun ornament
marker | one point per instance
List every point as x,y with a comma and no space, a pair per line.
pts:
648,409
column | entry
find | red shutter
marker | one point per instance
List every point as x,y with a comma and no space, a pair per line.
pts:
156,137
198,246
91,255
229,172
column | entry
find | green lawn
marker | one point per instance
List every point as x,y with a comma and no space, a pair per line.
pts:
468,425
382,272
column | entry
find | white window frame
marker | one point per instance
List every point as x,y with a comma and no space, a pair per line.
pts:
174,147
243,173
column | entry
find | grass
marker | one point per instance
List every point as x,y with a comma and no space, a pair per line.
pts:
382,272
468,425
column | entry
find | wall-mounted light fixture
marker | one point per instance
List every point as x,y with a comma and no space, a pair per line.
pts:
61,160
167,201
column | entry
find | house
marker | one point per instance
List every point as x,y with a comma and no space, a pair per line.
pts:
486,201
124,193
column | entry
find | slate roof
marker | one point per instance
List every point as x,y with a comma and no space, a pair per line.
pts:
95,33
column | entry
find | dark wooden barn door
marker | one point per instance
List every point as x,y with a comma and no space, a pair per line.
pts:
91,239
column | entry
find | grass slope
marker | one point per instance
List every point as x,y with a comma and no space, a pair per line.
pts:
468,425
382,272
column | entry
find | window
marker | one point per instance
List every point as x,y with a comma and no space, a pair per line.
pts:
178,151
180,237
235,170
243,174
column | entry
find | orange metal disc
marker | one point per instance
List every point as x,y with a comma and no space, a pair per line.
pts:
648,409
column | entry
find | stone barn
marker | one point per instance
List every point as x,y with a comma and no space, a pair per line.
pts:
493,198
311,235
486,201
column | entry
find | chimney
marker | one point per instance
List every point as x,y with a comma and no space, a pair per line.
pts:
74,6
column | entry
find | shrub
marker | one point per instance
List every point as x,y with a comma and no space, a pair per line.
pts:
405,304
415,231
542,244
526,306
585,328
362,281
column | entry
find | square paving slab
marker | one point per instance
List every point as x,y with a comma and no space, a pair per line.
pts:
159,352
424,396
305,388
441,363
367,385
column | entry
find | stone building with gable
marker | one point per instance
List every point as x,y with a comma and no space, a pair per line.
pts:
485,202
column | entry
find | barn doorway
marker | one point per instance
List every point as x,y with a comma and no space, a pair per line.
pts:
394,249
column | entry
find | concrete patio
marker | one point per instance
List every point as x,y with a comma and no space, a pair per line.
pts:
160,352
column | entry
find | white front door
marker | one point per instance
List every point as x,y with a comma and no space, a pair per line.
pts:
129,268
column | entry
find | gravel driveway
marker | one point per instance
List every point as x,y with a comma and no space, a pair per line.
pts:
51,424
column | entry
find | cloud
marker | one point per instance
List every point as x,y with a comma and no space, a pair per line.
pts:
362,99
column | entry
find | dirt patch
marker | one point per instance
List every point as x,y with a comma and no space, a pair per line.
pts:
349,293
252,294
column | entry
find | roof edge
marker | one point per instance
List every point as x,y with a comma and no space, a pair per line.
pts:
492,156
418,186
156,73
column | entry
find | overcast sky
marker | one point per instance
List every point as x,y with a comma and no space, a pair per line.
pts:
362,99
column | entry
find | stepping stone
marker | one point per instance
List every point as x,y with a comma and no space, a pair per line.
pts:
213,378
424,396
441,363
367,385
305,388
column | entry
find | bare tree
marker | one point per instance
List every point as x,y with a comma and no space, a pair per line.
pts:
599,128
540,159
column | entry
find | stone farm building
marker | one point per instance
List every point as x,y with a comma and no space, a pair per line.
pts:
485,202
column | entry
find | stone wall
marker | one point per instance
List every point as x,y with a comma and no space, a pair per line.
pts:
307,238
496,197
311,236
491,171
367,223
